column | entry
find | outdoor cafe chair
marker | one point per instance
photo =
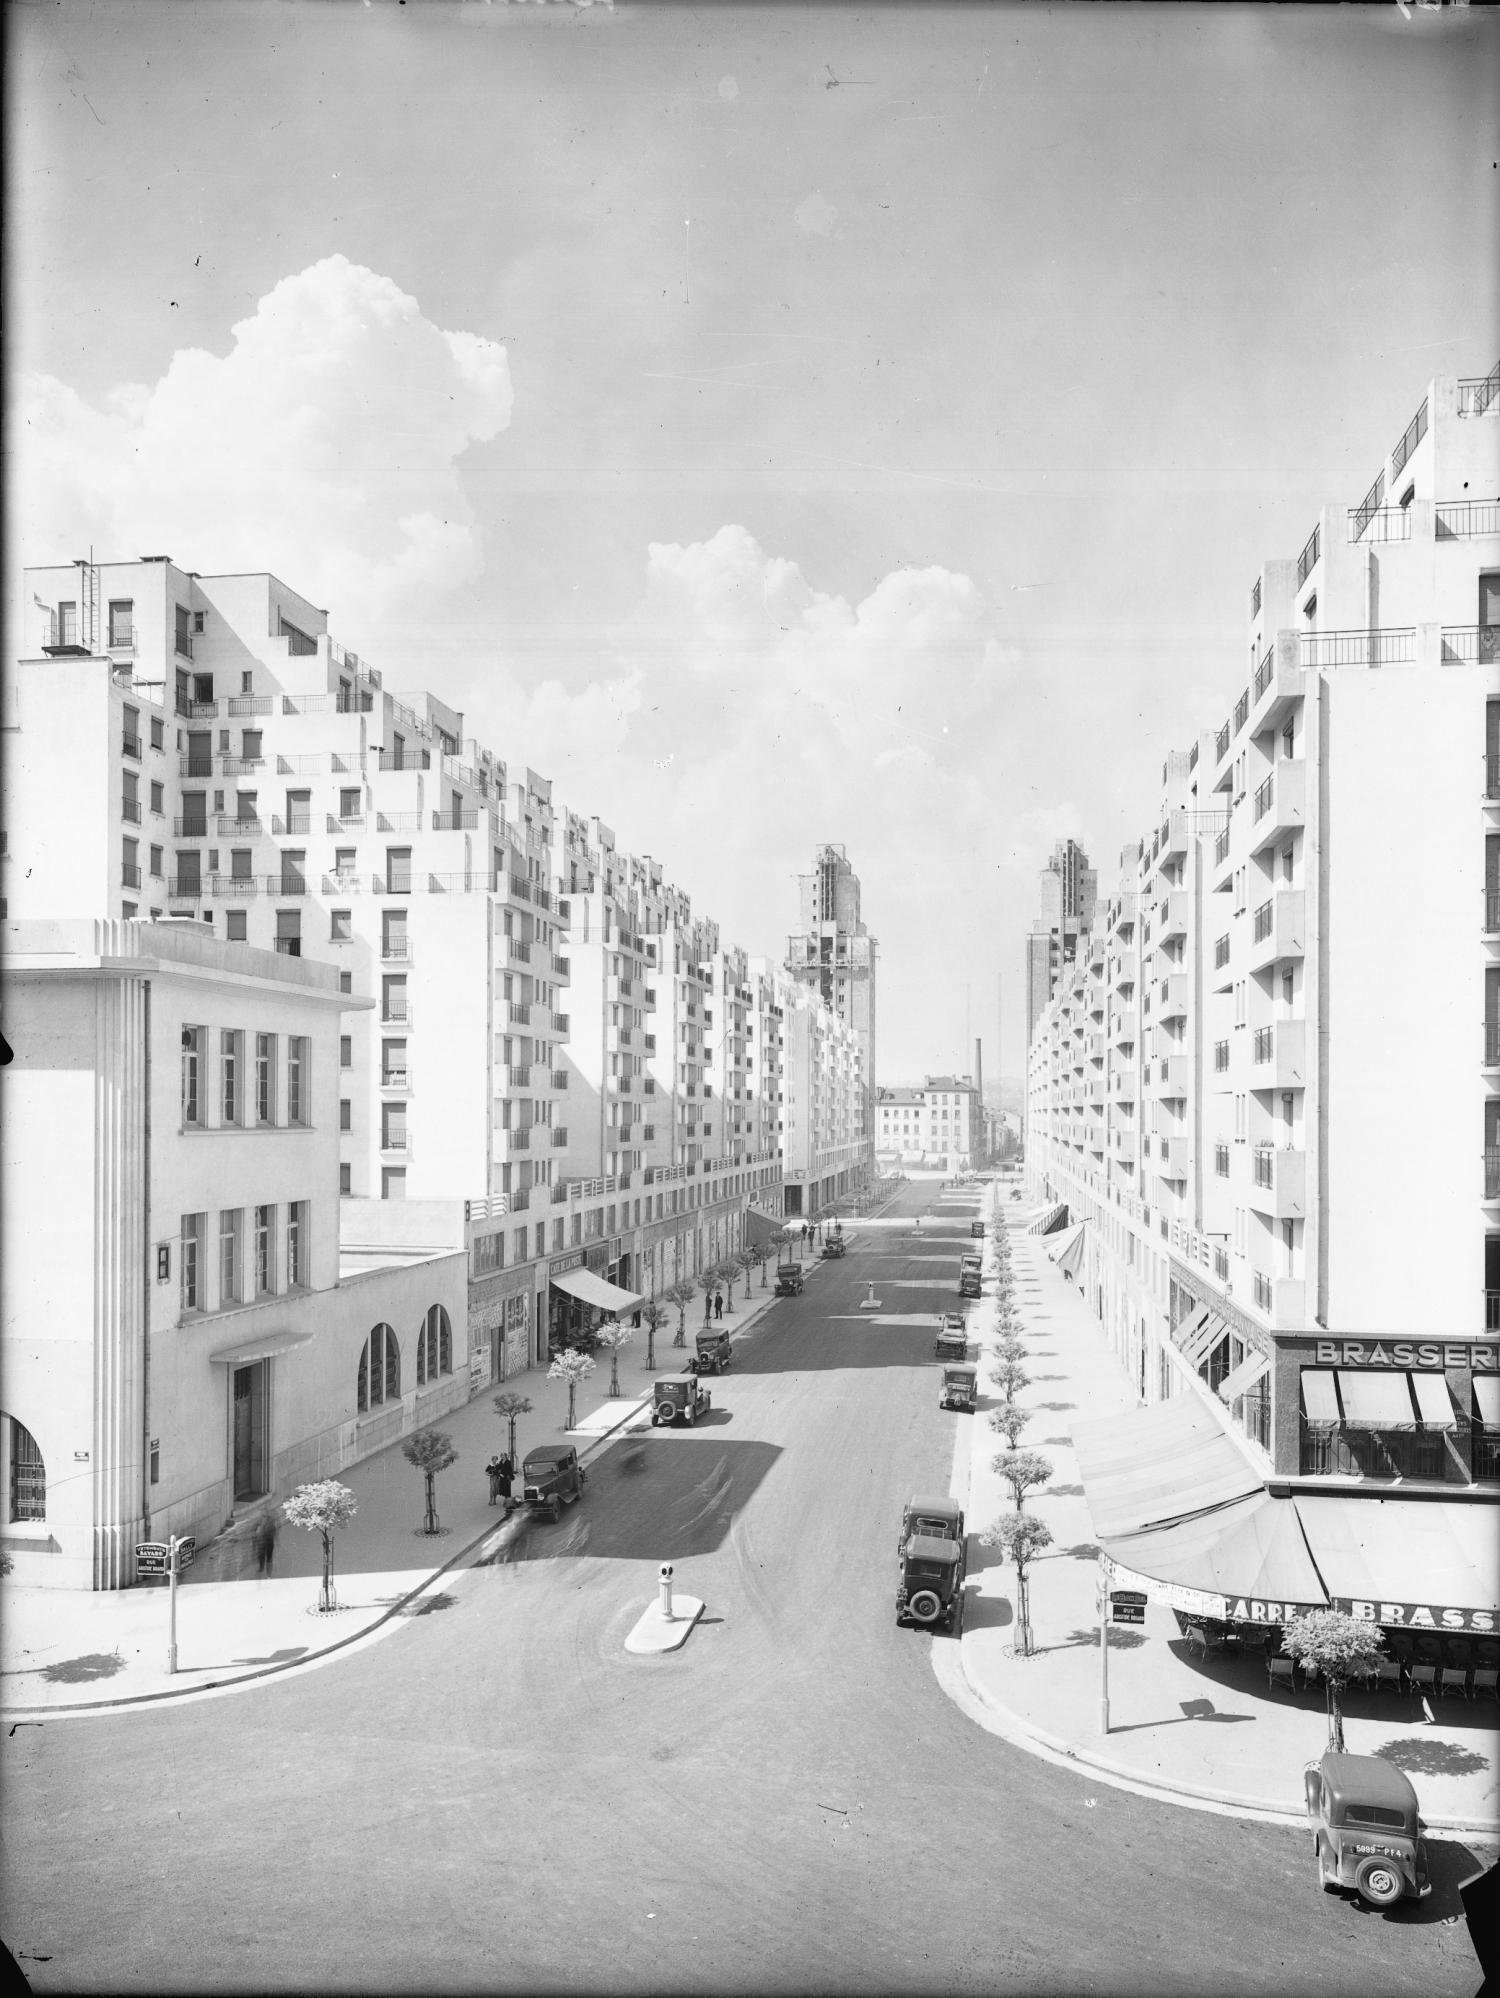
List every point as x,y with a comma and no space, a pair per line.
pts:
1423,1678
1485,1682
1281,1672
1390,1672
1453,1679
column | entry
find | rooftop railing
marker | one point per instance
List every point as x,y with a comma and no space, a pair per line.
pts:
1361,516
1387,523
1457,520
1307,561
1411,437
1395,647
1475,397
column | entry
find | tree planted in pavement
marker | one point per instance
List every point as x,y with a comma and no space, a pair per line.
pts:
612,1336
709,1281
1023,1471
1020,1537
571,1366
681,1294
431,1450
1339,1647
508,1407
653,1317
1010,1377
745,1261
1008,1420
322,1507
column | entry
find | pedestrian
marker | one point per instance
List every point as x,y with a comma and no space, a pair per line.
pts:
266,1529
718,1304
492,1472
506,1472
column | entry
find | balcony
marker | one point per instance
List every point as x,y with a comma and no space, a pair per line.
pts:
1492,1044
1480,393
130,809
225,828
346,822
233,887
558,1078
405,759
1280,805
185,888
1279,1056
395,1076
518,1015
519,1139
1396,646
295,823
190,828
465,820
285,884
1174,915
250,704
562,967
520,1200
1470,644
518,1077
1167,1077
1169,1156
396,1139
1278,928
517,953
1492,1181
1123,1028
130,744
621,1085
1093,1047
1278,1182
559,1137
1172,997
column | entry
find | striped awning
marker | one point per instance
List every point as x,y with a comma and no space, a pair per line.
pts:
1434,1403
1376,1401
1239,1380
1320,1401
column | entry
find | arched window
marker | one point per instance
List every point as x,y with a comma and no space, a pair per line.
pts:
28,1475
434,1346
379,1370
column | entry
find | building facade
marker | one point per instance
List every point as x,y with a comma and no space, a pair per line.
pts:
833,956
1067,890
1274,1134
942,1125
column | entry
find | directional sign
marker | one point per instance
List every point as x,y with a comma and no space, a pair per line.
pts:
151,1557
1127,1612
187,1547
1118,1596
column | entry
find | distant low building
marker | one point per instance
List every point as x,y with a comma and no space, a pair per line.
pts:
941,1124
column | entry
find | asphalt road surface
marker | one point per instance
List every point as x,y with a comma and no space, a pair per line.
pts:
500,1797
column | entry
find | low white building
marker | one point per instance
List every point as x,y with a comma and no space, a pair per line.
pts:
178,1337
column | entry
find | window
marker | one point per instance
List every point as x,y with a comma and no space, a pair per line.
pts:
296,1245
67,624
393,1065
288,921
236,926
192,1262
349,804
231,1059
158,732
346,981
265,1253
192,1075
230,1265
393,1182
265,1078
393,934
393,1127
121,621
394,993
298,1080
346,1051
155,856
183,638
299,644
434,1346
240,861
247,682
340,925
28,1475
346,1181
158,803
379,1371
346,1114
398,870
250,741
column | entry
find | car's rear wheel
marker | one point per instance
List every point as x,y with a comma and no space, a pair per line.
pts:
1328,1874
925,1606
1379,1883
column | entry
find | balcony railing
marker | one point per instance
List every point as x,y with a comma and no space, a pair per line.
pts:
405,759
559,1137
185,888
130,744
394,1077
1264,793
1411,437
225,828
1264,918
1221,1057
461,821
394,1140
1263,1166
518,1077
562,1024
1307,561
396,950
1361,516
1394,647
1471,644
1241,710
1264,1044
130,874
1492,1043
1263,673
517,953
286,884
1457,520
1475,397
520,1015
520,1139
1388,523
250,704
558,1078
1491,1180
233,887
1255,599
293,823
1491,910
190,828
1221,744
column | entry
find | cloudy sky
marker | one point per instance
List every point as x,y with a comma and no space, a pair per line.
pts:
774,423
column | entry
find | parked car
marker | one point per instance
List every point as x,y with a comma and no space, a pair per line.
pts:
834,1246
789,1279
977,1228
952,1341
1366,1831
932,1519
960,1388
930,1590
970,1278
551,1477
675,1396
714,1352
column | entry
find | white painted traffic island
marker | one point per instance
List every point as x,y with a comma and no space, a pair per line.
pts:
870,1302
656,1632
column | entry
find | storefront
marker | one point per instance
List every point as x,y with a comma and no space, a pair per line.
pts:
581,1295
1423,1410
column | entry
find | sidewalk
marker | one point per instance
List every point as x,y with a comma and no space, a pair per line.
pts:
1205,1728
65,1650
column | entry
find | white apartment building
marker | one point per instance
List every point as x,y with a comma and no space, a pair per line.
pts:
825,1153
940,1125
181,1334
833,956
1268,1094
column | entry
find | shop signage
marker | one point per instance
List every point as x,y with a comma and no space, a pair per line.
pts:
1405,1353
151,1557
562,1263
1172,1595
1259,1609
1419,1616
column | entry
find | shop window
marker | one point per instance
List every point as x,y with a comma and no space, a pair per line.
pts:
379,1371
434,1346
28,1475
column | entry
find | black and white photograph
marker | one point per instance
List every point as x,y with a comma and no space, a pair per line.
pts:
750,998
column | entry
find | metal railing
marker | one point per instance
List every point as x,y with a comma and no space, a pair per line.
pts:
232,887
396,950
1221,1057
1307,561
405,759
1492,1043
1394,647
1461,519
518,1077
1241,711
1263,1044
1221,744
1361,516
185,888
1265,917
460,821
191,828
250,704
1387,523
558,1078
1263,673
394,1077
1221,847
1491,910
1411,437
1221,1161
1265,792
286,884
293,823
1491,1186
1255,599
1475,397
309,765
1470,644
1262,1166
227,828
130,744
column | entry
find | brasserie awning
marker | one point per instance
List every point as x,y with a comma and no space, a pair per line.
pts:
1434,1403
1251,1550
1404,1551
596,1290
1320,1401
1049,1218
1376,1401
1239,1380
267,1346
1487,1399
1156,1465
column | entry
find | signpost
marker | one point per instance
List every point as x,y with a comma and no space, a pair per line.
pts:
1115,1606
170,1558
1127,1606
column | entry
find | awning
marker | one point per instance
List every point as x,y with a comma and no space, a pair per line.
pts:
266,1347
1065,1248
1320,1402
1434,1403
1390,1552
1196,1338
1157,1465
1239,1380
1487,1399
1049,1218
591,1289
1250,1551
1376,1401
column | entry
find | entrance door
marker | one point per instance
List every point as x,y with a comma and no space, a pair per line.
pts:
250,1384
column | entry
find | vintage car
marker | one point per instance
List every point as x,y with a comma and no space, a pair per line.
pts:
789,1279
834,1246
678,1396
1366,1831
969,1276
714,1351
932,1519
977,1228
551,1477
931,1587
952,1341
960,1388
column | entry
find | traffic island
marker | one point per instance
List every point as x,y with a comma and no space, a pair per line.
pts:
664,1625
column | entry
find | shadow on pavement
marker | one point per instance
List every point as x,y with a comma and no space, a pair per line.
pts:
1427,1755
84,1670
827,1347
987,1612
662,1497
1450,1864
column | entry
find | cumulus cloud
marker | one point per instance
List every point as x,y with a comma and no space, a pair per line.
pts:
323,445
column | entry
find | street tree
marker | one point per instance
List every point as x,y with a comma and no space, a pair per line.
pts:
761,1259
1010,1377
709,1280
322,1507
1009,1347
745,1260
573,1367
1020,1537
1023,1471
729,1269
653,1317
509,1407
1008,1420
1339,1647
431,1450
612,1336
681,1294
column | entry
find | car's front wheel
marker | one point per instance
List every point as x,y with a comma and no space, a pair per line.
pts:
1380,1883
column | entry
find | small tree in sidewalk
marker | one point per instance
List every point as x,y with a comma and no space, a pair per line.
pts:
1010,1377
680,1295
653,1317
509,1407
571,1366
324,1507
709,1281
612,1336
1023,1471
431,1451
1340,1648
745,1260
1020,1537
1008,1420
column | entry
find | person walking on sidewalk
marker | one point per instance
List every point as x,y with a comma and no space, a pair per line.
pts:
492,1472
718,1304
506,1472
266,1529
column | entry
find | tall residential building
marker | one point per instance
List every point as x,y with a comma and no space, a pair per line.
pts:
1066,898
833,955
1266,1097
